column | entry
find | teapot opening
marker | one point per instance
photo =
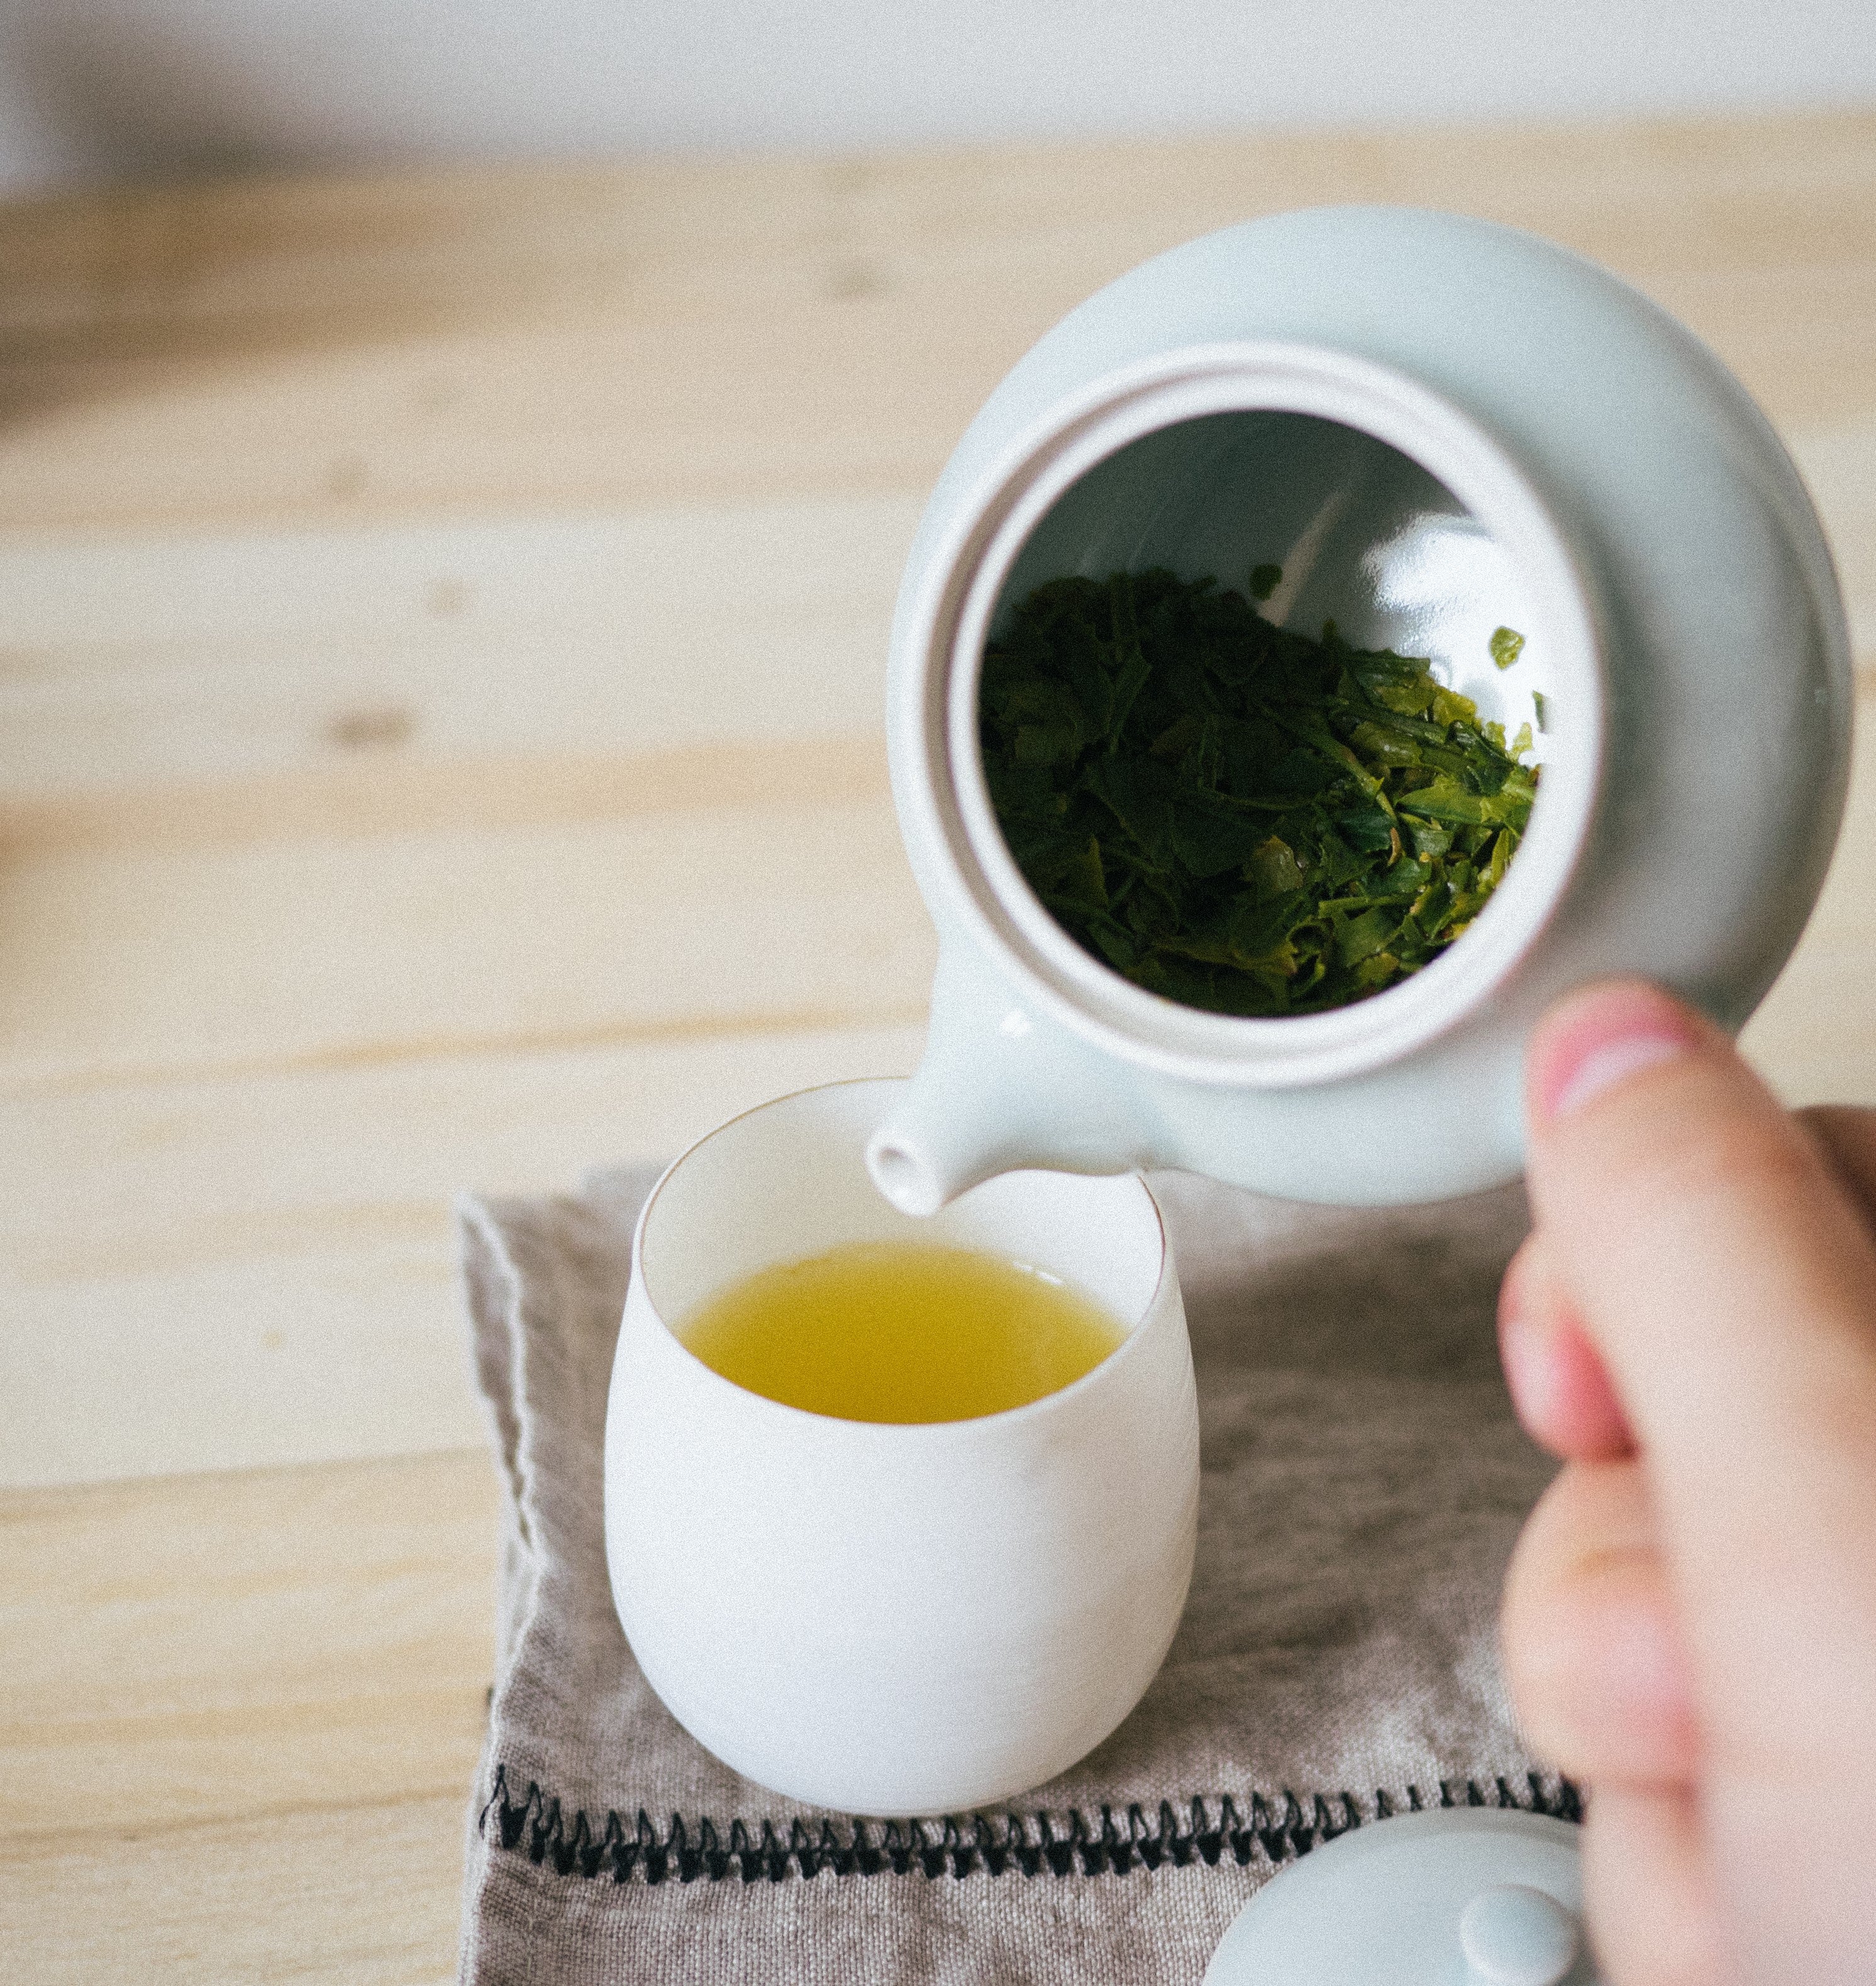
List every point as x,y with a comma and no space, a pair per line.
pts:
1387,515
1362,535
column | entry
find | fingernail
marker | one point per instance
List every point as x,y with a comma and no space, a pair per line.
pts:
1609,1038
1603,1068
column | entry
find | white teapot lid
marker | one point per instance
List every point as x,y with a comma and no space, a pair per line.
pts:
1461,1897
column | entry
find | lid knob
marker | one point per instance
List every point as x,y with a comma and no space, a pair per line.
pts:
1515,1936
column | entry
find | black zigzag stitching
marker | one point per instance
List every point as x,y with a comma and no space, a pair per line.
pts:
1197,1832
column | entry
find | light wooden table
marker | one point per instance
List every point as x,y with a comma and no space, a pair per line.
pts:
441,626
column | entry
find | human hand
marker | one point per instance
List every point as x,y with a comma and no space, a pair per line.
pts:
1689,1621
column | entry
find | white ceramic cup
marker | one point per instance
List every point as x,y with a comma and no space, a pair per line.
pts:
898,1619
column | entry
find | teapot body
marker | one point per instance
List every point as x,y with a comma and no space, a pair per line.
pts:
1435,427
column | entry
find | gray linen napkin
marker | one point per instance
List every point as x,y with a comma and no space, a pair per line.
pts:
1363,1481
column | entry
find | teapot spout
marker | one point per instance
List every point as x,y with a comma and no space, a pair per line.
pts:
999,1090
931,1148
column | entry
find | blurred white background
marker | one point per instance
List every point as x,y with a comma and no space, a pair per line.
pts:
100,90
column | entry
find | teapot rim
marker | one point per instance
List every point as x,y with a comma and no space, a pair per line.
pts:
1049,968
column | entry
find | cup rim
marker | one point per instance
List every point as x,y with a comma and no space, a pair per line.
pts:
901,1429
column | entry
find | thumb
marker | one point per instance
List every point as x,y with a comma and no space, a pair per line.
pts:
1725,1277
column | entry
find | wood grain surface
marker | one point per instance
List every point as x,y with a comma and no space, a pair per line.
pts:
441,631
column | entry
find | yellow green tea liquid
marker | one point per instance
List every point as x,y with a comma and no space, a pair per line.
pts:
896,1330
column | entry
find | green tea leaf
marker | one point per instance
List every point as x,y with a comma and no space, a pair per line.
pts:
1448,800
1273,869
1209,846
1506,645
1360,936
1231,814
1084,880
1376,742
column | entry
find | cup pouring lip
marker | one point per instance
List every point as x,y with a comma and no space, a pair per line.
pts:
951,831
761,1404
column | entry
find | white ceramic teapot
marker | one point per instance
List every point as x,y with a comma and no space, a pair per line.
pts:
1437,427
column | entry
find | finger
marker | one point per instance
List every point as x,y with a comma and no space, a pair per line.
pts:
1730,1287
1559,1384
1647,1890
1593,1653
1848,1137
